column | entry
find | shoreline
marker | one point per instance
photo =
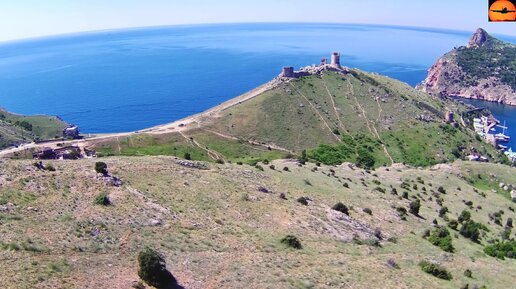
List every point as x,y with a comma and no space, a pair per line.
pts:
174,126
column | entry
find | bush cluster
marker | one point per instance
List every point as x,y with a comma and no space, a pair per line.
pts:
435,270
441,238
502,250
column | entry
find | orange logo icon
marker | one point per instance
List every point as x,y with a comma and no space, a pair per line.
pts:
502,10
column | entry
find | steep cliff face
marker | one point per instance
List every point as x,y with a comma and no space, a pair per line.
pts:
484,69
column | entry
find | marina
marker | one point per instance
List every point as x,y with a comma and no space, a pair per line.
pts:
489,128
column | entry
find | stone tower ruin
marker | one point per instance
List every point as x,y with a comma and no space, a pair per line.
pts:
287,71
335,59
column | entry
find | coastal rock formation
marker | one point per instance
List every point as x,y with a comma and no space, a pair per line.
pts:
484,69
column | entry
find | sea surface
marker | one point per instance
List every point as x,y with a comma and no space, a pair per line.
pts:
125,80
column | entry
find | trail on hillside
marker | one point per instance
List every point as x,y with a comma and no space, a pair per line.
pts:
378,120
272,146
335,108
369,123
211,153
316,111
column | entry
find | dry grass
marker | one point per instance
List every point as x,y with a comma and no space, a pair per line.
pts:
219,231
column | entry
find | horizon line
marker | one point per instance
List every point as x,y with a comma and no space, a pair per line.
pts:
133,28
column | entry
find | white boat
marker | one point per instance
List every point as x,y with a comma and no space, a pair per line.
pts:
502,137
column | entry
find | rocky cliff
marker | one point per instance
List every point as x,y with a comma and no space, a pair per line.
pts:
484,69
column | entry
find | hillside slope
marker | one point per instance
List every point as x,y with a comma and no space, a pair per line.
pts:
485,69
16,129
350,113
221,227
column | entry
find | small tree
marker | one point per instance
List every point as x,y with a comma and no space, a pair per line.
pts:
292,242
414,207
101,168
304,158
187,156
153,268
470,230
443,211
302,201
341,208
465,216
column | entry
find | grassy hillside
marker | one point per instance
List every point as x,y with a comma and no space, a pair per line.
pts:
222,227
16,129
355,115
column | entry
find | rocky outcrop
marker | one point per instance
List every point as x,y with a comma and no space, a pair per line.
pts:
478,39
474,71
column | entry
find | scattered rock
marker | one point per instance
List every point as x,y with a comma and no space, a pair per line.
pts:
137,285
155,222
110,180
193,165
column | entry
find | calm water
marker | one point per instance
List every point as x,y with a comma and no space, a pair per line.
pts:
131,79
504,113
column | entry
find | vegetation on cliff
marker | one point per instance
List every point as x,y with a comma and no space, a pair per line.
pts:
16,129
493,58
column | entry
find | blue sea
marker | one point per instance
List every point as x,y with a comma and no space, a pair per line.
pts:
506,114
125,80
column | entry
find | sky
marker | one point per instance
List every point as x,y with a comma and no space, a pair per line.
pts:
21,19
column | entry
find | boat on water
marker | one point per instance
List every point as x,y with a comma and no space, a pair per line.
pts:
502,137
511,155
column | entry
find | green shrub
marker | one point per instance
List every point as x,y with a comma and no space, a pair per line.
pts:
502,250
152,268
302,201
365,159
435,270
441,238
404,195
402,212
187,156
414,207
292,242
471,230
102,199
367,211
101,168
441,190
453,224
340,207
468,273
443,211
465,216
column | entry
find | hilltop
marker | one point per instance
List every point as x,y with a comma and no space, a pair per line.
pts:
17,129
221,225
336,115
484,69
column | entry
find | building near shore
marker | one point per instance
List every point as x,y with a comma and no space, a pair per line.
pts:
71,132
